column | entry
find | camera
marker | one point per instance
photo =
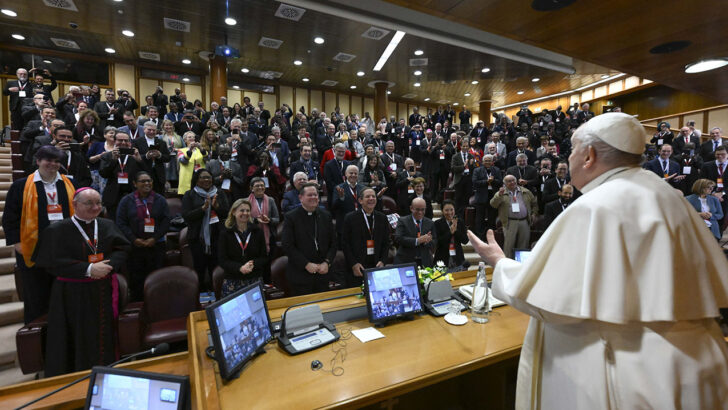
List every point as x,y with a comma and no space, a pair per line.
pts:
73,25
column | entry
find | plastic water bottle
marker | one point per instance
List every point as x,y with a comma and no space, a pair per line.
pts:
480,304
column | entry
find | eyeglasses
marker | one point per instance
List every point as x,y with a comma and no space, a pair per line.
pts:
205,177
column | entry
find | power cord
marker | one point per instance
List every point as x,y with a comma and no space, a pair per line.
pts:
340,353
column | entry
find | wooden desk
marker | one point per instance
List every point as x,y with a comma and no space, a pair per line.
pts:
414,354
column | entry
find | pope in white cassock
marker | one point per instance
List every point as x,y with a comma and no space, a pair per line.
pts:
623,289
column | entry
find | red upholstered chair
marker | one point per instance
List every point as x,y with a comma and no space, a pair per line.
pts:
278,275
449,194
218,274
170,294
389,205
184,247
338,271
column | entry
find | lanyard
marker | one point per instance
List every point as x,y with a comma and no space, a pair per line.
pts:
665,166
419,229
370,229
514,197
391,157
136,132
90,244
146,207
92,131
356,204
51,197
109,106
257,205
122,165
558,181
22,87
243,247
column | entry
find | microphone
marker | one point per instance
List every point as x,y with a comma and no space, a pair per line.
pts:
159,349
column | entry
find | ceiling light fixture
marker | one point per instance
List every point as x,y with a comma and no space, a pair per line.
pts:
304,79
297,62
127,33
9,13
48,61
244,70
230,21
360,73
455,104
418,72
474,82
467,94
416,84
353,87
18,37
706,65
520,92
185,79
485,70
535,79
319,40
427,99
186,61
389,50
419,52
389,92
237,87
110,50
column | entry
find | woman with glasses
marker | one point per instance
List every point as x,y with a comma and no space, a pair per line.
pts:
241,251
143,217
707,205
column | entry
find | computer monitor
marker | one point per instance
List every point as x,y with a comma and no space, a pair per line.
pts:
240,326
123,389
522,255
392,292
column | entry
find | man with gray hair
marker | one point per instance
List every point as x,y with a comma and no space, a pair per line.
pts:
707,150
335,169
19,90
521,144
618,321
290,198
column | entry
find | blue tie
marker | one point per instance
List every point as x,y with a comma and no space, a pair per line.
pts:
715,145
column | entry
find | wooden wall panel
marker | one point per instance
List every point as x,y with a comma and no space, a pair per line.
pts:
301,100
403,112
344,104
286,95
660,100
194,92
147,86
392,110
316,100
169,86
718,118
269,102
356,107
369,107
330,102
255,97
698,118
124,77
234,97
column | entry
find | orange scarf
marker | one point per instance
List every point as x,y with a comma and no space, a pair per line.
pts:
29,216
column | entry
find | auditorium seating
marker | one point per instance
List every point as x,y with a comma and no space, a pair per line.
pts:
278,275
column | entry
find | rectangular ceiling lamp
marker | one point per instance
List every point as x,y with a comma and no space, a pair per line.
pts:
389,50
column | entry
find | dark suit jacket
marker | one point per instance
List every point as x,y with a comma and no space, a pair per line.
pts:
342,206
656,166
706,150
405,237
480,184
551,211
290,201
530,174
109,168
458,166
231,258
429,211
679,143
154,166
551,190
103,111
78,172
300,247
182,126
402,185
710,170
15,99
444,236
357,234
333,175
386,162
300,166
511,158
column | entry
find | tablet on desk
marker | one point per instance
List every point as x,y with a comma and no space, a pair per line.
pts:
521,255
239,326
392,292
121,389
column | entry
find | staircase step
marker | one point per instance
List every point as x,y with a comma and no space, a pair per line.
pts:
10,313
5,155
6,251
5,162
5,185
6,169
2,231
6,177
5,150
3,195
7,266
13,375
8,351
7,289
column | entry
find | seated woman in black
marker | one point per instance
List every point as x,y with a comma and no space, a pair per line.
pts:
241,250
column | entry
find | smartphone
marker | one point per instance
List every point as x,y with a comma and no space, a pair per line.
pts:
75,146
126,151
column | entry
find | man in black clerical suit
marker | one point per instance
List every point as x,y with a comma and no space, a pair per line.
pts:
487,180
415,236
552,186
310,243
19,90
73,163
120,171
110,111
462,166
521,143
84,262
367,237
155,154
684,137
346,199
556,207
392,163
526,175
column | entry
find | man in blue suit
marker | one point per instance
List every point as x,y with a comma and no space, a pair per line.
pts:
664,167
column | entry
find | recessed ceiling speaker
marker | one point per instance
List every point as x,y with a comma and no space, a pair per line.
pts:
670,47
550,5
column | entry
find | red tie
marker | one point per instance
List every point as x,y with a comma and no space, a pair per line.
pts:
720,172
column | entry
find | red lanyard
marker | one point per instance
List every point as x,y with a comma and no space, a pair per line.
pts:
243,247
90,244
51,196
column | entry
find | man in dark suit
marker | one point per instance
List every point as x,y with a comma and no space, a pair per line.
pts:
290,198
479,132
526,175
334,171
665,167
160,100
73,163
556,207
404,189
487,180
127,102
33,129
325,141
521,143
584,114
120,172
153,116
305,164
553,185
367,237
155,154
685,136
451,235
416,137
415,236
189,122
707,150
131,126
110,111
18,90
717,171
345,199
462,167
415,117
399,135
310,242
391,162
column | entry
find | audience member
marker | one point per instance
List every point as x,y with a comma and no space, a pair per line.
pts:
451,235
554,208
415,236
367,238
516,207
190,158
487,180
119,167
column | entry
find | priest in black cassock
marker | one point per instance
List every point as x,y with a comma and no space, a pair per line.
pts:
83,253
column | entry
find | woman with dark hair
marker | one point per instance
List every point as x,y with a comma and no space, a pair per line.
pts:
451,236
202,209
237,111
143,217
209,142
94,154
271,175
264,211
372,174
241,251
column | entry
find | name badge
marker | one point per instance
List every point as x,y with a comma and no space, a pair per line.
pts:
235,153
96,257
542,185
69,176
55,212
122,178
558,120
659,141
111,117
225,184
213,217
452,249
515,207
265,181
466,171
478,140
21,93
149,225
410,191
490,187
442,155
393,166
687,170
417,142
719,182
370,247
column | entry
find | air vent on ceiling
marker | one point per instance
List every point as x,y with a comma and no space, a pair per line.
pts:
550,5
149,56
62,42
61,4
270,75
409,95
270,42
344,58
498,93
441,101
375,33
448,82
670,47
288,12
417,62
329,83
177,25
510,79
537,90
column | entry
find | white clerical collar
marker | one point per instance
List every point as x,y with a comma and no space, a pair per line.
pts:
37,177
84,220
602,178
150,141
